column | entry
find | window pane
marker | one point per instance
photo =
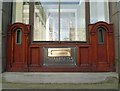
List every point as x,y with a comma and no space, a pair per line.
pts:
99,11
72,21
20,12
101,35
46,20
18,36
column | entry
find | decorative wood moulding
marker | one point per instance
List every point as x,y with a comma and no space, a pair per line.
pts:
71,57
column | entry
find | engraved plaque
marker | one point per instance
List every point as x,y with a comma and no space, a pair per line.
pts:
59,56
58,52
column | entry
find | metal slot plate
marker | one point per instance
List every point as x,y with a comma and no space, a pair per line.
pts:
58,52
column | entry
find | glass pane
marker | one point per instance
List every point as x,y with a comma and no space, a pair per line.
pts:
46,20
101,35
99,11
72,20
18,36
20,12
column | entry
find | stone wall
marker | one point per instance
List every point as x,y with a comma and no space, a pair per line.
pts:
6,19
0,36
119,40
115,19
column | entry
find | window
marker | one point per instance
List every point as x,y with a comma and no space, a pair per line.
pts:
20,12
70,27
68,22
101,35
18,36
99,11
45,21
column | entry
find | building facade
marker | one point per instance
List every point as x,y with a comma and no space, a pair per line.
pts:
55,28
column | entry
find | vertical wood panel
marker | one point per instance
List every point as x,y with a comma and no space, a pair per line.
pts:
111,52
102,51
40,54
18,55
102,54
78,56
19,49
34,56
84,56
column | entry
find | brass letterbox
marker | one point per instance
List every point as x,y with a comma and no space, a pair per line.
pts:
58,52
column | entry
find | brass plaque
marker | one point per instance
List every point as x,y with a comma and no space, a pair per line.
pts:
58,52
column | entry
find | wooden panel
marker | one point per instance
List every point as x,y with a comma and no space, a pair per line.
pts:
111,52
34,57
102,54
84,56
19,50
91,57
100,51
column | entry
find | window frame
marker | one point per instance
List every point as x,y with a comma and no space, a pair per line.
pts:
87,22
101,35
31,22
18,38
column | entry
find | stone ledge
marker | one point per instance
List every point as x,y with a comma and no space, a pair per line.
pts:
34,77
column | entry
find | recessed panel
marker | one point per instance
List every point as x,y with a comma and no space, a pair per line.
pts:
59,56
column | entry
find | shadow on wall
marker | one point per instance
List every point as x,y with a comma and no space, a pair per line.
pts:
6,19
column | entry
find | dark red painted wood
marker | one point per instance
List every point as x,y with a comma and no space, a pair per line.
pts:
102,53
91,57
18,54
84,56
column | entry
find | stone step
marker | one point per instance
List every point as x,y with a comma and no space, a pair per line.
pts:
41,77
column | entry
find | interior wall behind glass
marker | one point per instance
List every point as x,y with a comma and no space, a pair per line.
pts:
81,23
72,21
99,11
45,21
20,12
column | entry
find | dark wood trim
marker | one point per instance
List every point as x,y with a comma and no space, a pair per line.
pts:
87,16
90,57
31,19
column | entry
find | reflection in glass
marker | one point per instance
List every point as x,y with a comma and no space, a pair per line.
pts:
72,21
99,11
101,35
20,12
18,36
46,21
